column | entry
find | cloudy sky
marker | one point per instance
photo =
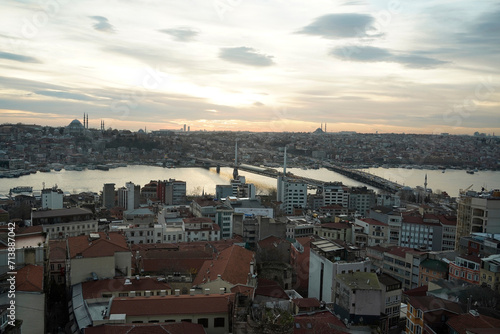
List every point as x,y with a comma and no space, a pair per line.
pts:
257,65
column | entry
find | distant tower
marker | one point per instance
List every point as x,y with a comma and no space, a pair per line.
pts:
184,127
235,170
189,128
84,121
87,122
425,184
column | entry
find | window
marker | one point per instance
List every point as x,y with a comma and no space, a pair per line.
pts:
123,294
204,322
219,322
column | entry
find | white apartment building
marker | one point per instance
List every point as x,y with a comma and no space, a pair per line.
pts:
292,194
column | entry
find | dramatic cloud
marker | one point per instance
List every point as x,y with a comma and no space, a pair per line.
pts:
102,24
346,25
246,56
374,54
182,34
20,58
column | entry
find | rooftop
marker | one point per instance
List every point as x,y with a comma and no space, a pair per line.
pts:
232,264
360,280
434,265
470,322
60,213
319,322
172,305
159,328
94,289
270,288
106,245
30,278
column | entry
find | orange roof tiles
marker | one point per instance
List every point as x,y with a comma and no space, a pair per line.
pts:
172,305
270,288
30,278
233,264
159,328
320,322
372,221
466,323
106,245
306,302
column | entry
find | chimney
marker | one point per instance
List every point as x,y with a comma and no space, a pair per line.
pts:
191,292
177,292
207,291
251,267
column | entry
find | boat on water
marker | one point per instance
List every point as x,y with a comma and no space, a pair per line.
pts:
470,171
102,167
45,170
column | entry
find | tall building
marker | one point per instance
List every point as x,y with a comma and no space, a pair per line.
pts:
171,192
108,195
292,193
133,197
335,193
478,212
52,198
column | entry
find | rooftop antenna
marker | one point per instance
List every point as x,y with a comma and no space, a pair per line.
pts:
235,170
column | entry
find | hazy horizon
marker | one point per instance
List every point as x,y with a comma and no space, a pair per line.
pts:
426,67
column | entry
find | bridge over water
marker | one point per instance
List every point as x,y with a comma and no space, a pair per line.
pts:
364,177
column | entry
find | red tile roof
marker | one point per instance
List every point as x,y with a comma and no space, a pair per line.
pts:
468,322
172,305
306,302
30,278
271,241
401,251
336,226
159,328
243,289
95,289
270,288
97,248
233,264
431,303
319,323
57,250
419,291
372,221
448,220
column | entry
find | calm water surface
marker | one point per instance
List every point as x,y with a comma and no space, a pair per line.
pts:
199,179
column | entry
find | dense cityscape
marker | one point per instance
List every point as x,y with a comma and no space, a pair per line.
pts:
308,256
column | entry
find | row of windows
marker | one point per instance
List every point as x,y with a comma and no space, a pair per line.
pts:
71,228
218,322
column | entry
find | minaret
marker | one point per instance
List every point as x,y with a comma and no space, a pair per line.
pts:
84,120
235,170
425,184
87,121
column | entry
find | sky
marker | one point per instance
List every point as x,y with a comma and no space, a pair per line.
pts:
261,65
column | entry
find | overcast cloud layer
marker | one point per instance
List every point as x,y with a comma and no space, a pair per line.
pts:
366,66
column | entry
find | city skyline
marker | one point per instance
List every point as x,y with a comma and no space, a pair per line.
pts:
234,65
